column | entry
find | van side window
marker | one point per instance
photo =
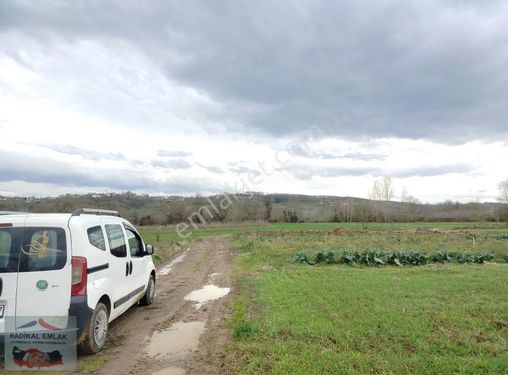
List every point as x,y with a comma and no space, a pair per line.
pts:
96,237
116,240
135,244
43,249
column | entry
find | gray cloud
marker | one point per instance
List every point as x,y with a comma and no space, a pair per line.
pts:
20,167
306,173
212,169
173,163
299,150
414,69
87,154
431,170
245,170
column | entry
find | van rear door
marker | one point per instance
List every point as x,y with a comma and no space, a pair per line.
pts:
45,275
10,240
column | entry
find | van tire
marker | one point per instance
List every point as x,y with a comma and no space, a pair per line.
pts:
149,296
96,331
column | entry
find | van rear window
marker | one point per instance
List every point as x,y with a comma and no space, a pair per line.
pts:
43,249
10,241
32,249
5,247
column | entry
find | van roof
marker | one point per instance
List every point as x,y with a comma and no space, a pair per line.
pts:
24,214
77,212
63,217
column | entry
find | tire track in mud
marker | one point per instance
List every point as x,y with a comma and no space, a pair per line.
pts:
177,335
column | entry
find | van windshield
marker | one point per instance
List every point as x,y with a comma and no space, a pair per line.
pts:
32,249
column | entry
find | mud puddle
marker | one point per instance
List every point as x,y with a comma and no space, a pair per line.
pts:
170,371
209,292
177,341
166,270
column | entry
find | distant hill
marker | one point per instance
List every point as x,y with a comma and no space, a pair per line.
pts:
150,210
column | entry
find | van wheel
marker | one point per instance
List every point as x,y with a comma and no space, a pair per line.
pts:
149,296
97,331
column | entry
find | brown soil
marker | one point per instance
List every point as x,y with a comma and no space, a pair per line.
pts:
174,335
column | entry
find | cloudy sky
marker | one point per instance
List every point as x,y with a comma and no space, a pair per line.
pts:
311,97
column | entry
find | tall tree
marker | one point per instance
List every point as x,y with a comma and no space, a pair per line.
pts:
268,207
503,191
408,198
382,190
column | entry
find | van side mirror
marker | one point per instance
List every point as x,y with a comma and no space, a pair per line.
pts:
149,249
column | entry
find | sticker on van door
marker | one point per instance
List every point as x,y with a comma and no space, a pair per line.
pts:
33,349
42,285
39,246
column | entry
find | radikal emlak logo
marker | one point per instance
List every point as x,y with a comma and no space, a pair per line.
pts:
42,285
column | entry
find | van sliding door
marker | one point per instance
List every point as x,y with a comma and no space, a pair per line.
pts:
10,244
44,279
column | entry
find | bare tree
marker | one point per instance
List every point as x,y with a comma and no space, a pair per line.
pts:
408,198
363,214
382,190
503,198
343,212
503,191
268,207
404,194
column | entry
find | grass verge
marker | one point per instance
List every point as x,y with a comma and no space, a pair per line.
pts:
435,319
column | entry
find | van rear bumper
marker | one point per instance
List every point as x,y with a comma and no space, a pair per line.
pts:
80,310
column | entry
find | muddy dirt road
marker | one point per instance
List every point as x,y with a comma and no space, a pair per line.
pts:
184,331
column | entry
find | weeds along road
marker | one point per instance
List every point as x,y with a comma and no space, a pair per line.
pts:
184,331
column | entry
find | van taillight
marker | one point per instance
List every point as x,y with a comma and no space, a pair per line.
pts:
79,276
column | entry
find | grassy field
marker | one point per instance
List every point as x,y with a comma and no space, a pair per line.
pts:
167,239
434,319
297,319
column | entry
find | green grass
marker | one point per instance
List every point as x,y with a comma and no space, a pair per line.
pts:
436,319
168,237
90,364
168,233
277,248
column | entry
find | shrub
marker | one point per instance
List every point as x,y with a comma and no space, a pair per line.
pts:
349,257
325,257
301,258
396,258
482,257
501,236
441,257
376,257
372,257
416,258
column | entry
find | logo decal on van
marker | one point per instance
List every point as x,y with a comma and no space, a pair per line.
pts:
44,324
40,248
42,285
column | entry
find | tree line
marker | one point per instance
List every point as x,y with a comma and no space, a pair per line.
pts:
163,210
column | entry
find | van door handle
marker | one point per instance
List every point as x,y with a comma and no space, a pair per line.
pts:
130,272
127,269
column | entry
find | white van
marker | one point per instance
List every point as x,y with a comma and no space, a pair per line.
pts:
91,264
